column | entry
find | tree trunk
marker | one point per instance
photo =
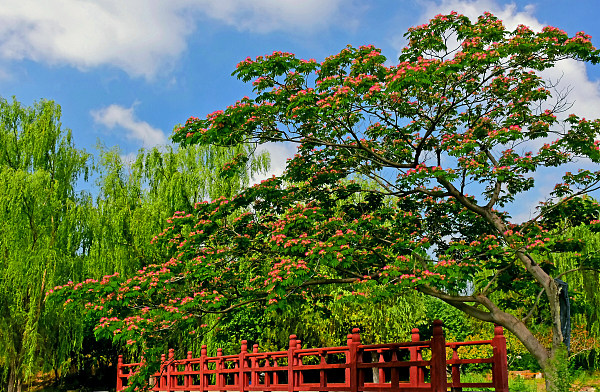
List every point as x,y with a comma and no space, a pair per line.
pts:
375,371
556,371
13,384
554,363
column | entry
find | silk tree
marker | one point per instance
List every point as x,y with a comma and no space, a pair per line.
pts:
453,134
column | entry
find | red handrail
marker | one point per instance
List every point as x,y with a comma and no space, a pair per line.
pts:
394,367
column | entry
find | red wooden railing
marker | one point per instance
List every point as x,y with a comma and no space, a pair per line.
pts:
356,367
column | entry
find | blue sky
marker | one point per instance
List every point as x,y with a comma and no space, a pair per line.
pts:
126,72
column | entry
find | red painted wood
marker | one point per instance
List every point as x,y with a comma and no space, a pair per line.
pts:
299,376
243,376
455,370
255,371
203,368
162,378
120,377
290,363
416,375
354,359
438,358
500,366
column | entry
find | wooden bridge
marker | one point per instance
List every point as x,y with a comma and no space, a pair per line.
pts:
415,366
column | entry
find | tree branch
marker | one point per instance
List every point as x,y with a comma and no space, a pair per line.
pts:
459,302
496,275
530,313
446,297
577,269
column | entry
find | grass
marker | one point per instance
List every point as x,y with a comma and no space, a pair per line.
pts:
475,377
583,381
517,384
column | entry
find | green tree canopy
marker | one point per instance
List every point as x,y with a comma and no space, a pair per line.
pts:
39,167
53,235
453,133
134,202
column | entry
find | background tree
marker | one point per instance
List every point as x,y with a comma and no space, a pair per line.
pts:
454,132
134,201
318,321
575,255
53,234
39,243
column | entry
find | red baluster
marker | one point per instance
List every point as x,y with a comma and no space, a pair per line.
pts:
203,368
500,366
438,358
162,376
322,374
188,369
455,371
171,382
381,373
243,377
414,369
254,366
120,373
298,361
275,373
348,361
354,358
220,382
291,360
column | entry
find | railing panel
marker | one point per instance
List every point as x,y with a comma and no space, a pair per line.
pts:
394,367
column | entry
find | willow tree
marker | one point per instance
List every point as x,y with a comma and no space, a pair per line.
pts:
40,217
52,235
136,198
454,133
134,202
576,225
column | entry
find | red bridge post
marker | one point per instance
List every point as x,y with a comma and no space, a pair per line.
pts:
187,380
242,377
291,360
438,358
417,376
162,378
203,367
500,366
455,370
298,361
353,344
119,373
220,381
170,369
253,362
347,372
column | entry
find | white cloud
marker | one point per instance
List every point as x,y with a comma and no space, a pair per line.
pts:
270,15
472,9
115,116
141,37
583,93
279,154
129,158
508,13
